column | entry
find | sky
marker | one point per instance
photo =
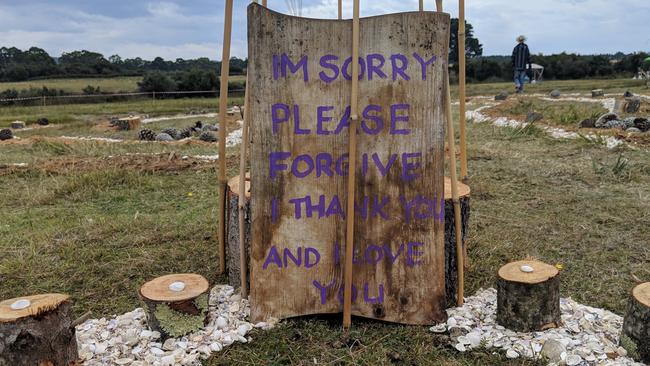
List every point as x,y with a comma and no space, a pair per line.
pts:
194,28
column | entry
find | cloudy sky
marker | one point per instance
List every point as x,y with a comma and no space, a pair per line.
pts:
194,28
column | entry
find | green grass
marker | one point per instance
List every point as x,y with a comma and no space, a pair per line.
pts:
565,86
75,221
91,112
113,85
565,114
76,85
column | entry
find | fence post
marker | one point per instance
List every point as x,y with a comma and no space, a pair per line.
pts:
43,100
153,101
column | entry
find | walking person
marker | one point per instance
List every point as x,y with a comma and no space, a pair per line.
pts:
520,59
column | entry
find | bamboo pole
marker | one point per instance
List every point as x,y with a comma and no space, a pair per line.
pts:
223,106
243,270
460,256
340,9
352,170
461,89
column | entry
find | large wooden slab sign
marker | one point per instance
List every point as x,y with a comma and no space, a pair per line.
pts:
299,73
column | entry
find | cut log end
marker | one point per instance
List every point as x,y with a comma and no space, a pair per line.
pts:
37,330
635,336
176,304
528,296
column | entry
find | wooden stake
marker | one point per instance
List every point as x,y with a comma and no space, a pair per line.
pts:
460,256
340,9
242,197
223,106
461,89
421,5
352,170
264,3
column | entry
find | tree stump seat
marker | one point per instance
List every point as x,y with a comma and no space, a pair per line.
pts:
528,296
635,336
176,304
37,330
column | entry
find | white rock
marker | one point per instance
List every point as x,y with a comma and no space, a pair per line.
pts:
526,269
460,347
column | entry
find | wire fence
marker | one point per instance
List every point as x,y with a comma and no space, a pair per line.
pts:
47,100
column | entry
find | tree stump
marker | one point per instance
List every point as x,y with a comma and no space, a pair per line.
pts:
528,296
451,269
635,336
175,304
37,330
232,249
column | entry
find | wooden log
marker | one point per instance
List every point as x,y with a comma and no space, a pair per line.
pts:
451,263
232,247
451,269
176,304
528,296
37,330
635,336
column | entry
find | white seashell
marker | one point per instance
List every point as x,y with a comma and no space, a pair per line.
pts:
177,286
526,269
157,351
460,347
123,361
242,330
167,361
169,344
146,334
100,348
573,360
463,340
474,339
20,304
221,322
439,328
511,353
451,322
155,335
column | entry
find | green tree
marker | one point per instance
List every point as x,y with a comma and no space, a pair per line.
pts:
156,81
473,48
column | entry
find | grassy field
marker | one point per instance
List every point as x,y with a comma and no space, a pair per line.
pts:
113,85
78,221
75,86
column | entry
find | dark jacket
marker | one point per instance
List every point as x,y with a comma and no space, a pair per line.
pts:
520,57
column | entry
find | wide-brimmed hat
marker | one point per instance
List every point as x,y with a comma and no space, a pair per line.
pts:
521,38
